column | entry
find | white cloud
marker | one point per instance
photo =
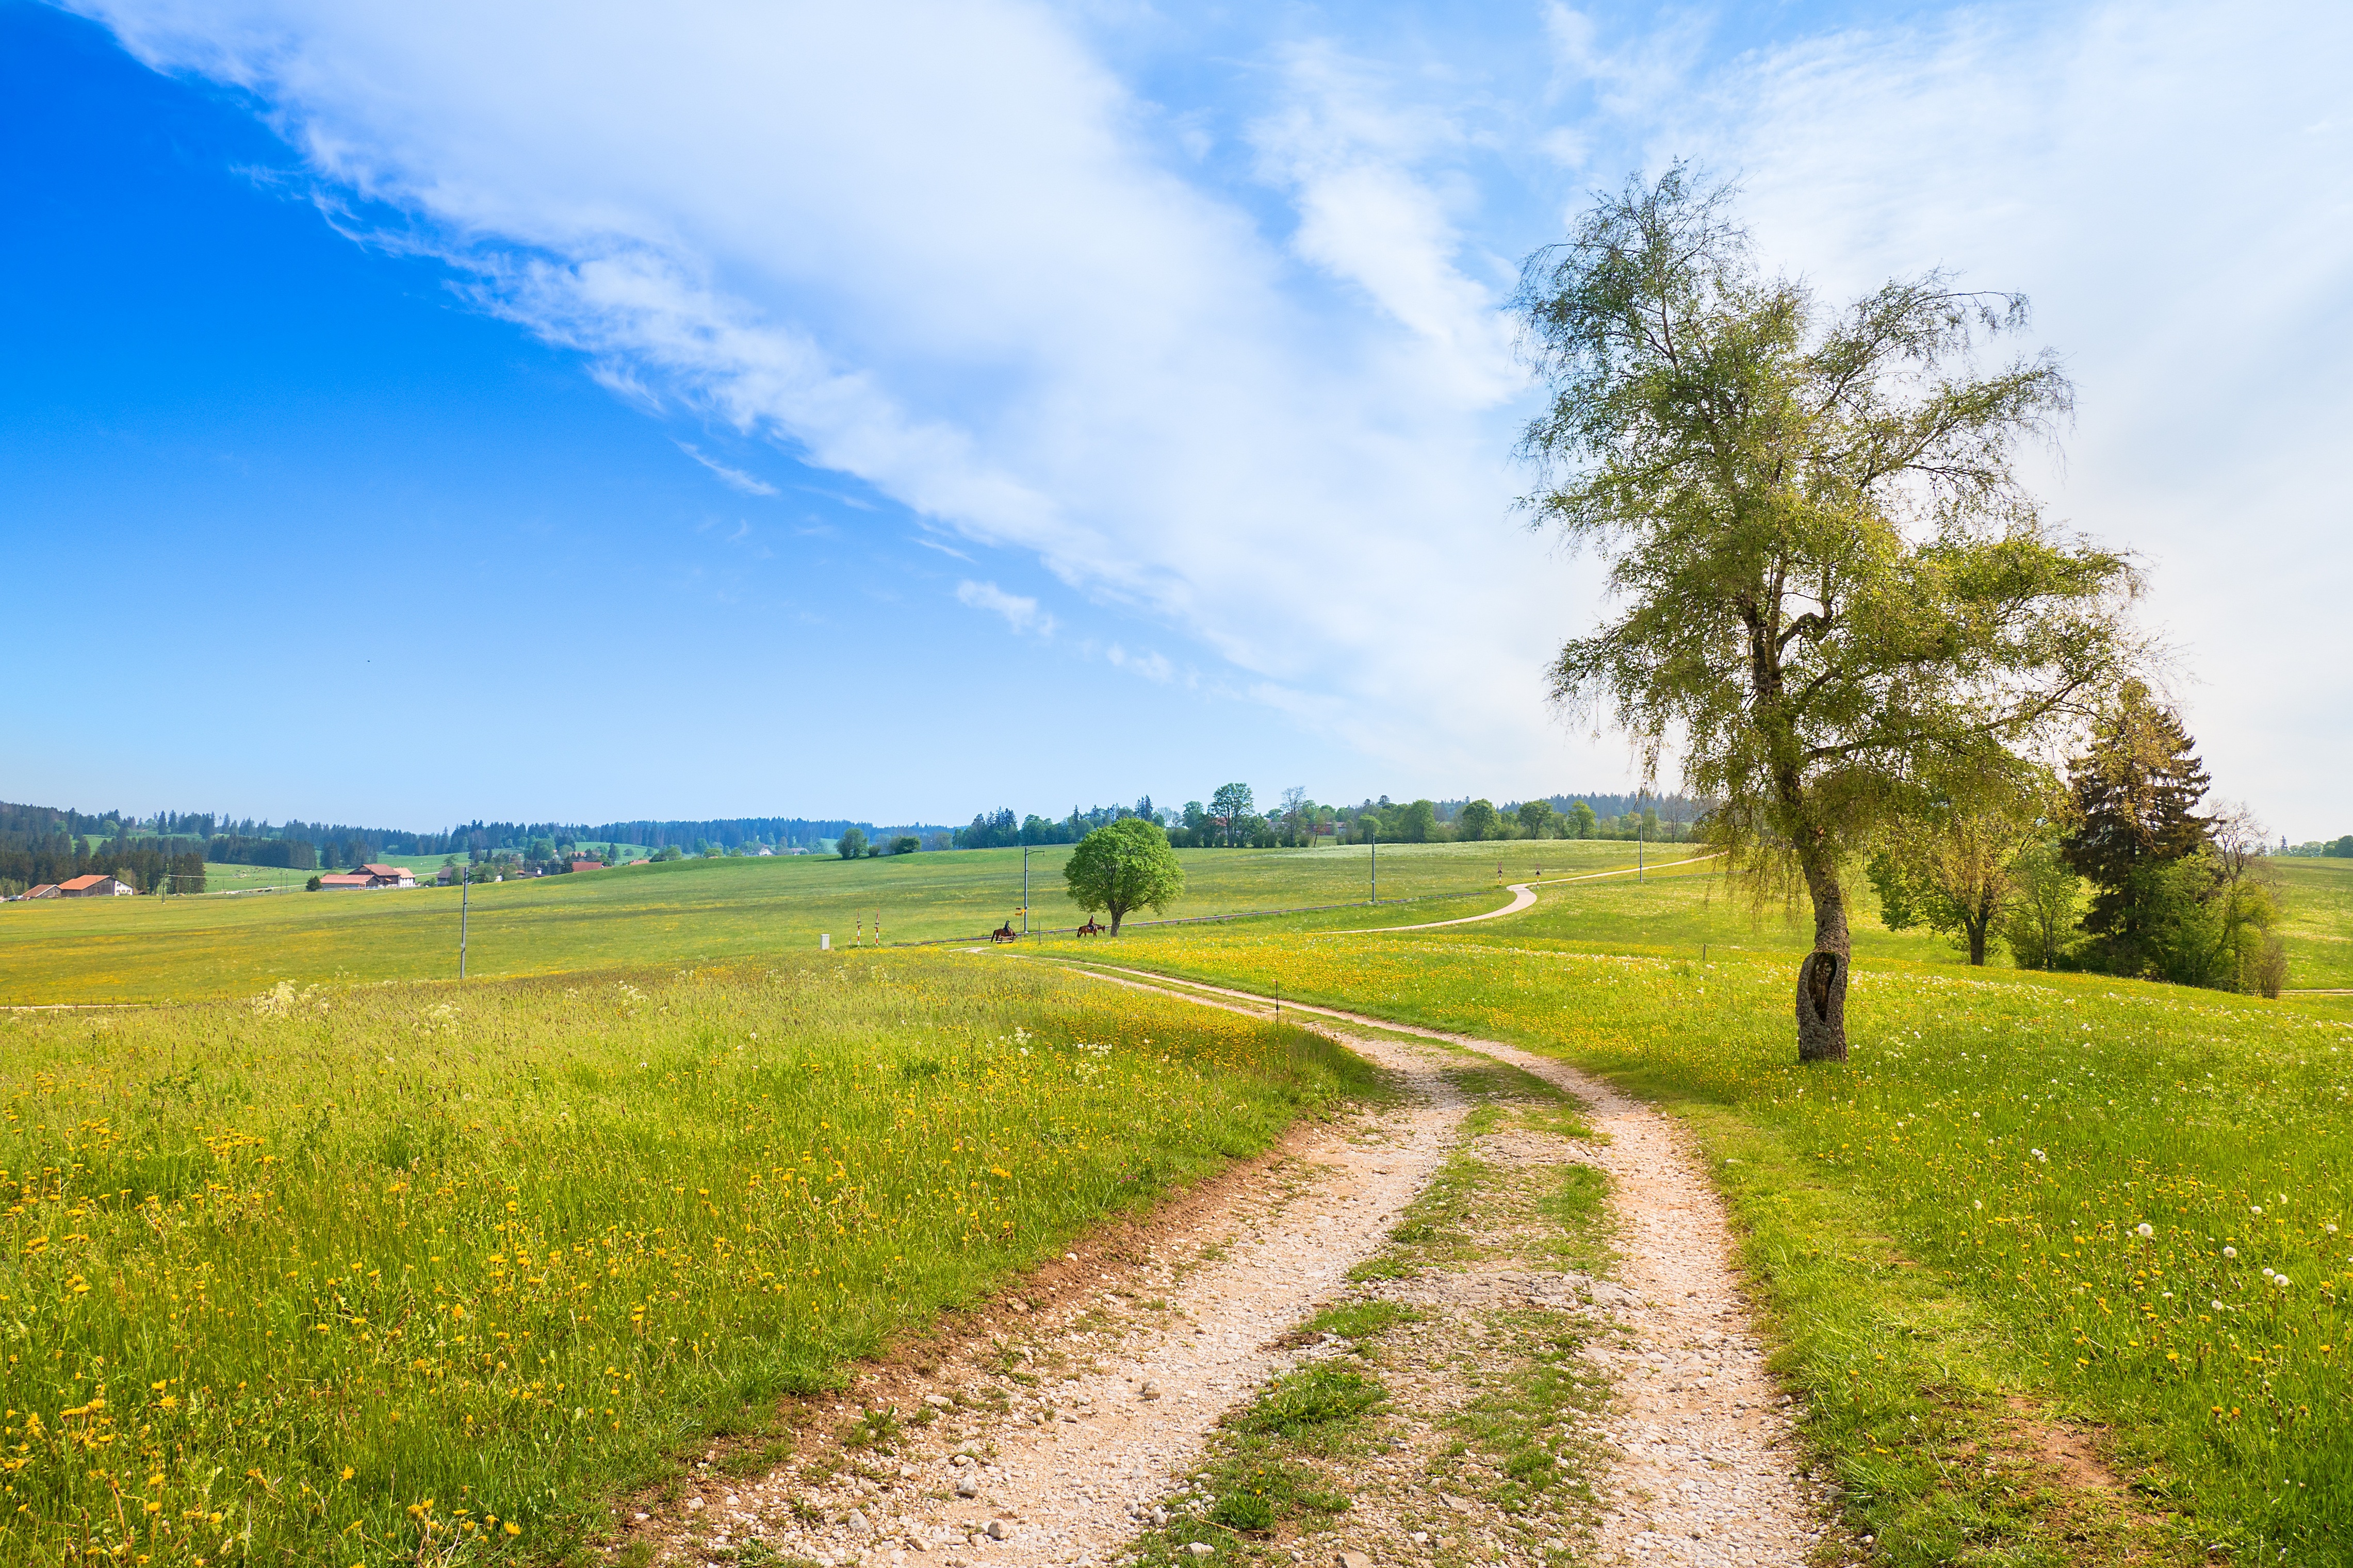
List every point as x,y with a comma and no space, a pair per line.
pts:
929,247
2169,185
734,477
944,250
1153,666
1020,612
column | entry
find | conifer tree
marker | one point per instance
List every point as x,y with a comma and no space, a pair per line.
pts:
2134,792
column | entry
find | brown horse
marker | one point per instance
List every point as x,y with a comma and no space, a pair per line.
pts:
1004,934
1090,928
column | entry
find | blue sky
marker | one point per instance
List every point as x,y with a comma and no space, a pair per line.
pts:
429,411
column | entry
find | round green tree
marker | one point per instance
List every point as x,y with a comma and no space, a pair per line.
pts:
1126,865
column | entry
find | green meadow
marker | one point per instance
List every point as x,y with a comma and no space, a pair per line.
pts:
1947,1232
370,1219
677,913
402,1273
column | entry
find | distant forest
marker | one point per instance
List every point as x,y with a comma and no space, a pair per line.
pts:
45,844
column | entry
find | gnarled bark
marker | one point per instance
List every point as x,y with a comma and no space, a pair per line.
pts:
1821,980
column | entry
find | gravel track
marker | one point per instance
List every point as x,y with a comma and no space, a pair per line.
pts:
1063,1444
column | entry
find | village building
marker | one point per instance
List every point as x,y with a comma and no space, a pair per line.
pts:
368,876
45,890
94,885
587,865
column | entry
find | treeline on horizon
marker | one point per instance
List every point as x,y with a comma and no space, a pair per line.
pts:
47,844
1233,819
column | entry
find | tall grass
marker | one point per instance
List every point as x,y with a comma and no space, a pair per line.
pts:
2146,1190
365,1275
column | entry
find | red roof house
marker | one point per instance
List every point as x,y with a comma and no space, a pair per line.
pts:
587,865
94,885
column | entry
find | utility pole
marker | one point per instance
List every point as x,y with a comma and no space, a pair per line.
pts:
1025,889
465,888
1640,795
1372,836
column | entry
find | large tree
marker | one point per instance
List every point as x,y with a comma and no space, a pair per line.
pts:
1228,807
1125,865
1831,582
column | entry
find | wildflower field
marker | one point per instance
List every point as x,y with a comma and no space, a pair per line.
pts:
2028,1199
399,1272
679,912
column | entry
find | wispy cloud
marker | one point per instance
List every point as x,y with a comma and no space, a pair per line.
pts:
1113,367
734,477
1020,612
1151,666
1262,403
943,549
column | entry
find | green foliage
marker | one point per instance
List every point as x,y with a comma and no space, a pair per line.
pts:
2198,925
906,844
1478,820
1122,867
1230,808
1833,578
2042,924
851,844
1950,864
1418,822
1536,818
1582,821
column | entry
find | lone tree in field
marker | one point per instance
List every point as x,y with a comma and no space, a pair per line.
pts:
1831,582
1121,867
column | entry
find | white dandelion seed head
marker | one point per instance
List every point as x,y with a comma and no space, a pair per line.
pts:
2216,1305
1975,1204
2280,1280
2267,1273
2255,1208
2144,1228
2230,1252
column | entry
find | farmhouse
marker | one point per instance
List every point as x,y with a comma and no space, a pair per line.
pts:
369,875
587,865
45,890
94,885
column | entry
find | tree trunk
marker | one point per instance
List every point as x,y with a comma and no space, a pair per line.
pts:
1977,929
1116,912
1821,982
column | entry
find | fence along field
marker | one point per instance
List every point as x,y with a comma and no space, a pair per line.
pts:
354,1276
686,911
2119,1204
